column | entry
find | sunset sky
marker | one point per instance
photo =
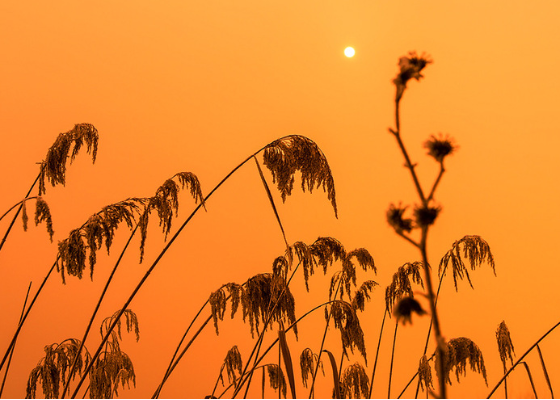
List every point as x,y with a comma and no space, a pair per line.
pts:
199,86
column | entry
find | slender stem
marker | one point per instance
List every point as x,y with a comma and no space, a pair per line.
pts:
311,391
19,210
13,347
276,341
15,205
377,353
530,379
218,380
521,358
94,314
22,321
392,359
505,381
438,179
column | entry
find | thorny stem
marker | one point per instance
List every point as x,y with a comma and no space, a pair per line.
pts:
22,321
94,314
521,359
155,263
377,354
13,347
423,242
19,210
392,359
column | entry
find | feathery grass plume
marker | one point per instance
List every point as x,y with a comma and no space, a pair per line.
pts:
297,153
347,276
53,168
218,300
475,249
260,292
395,218
401,285
232,363
406,307
24,217
307,362
363,294
505,345
347,322
425,374
276,378
43,213
89,237
354,383
52,370
458,351
166,201
113,365
440,147
410,67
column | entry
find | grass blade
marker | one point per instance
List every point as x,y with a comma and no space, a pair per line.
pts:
287,361
335,374
545,372
530,379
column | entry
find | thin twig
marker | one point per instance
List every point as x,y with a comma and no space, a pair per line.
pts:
392,359
377,353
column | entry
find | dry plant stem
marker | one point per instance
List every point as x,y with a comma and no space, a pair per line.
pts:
13,347
438,179
423,242
377,354
18,211
521,359
94,314
311,391
392,359
22,321
245,376
411,380
545,372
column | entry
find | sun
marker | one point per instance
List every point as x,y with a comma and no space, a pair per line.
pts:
349,52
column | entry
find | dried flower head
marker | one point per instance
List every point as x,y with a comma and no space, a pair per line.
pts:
505,345
294,153
405,307
475,249
276,378
410,67
440,147
53,168
457,353
401,284
396,220
426,215
346,278
233,363
354,382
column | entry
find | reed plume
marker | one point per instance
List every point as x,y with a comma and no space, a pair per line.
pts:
98,229
276,378
458,352
232,364
354,382
425,374
401,283
474,249
53,168
347,322
287,155
53,369
307,363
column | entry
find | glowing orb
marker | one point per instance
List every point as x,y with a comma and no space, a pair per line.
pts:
349,52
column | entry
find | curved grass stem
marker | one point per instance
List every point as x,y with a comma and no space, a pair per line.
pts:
377,353
392,359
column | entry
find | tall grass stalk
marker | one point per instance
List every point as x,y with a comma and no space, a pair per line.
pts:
530,379
545,372
13,347
521,359
377,353
392,359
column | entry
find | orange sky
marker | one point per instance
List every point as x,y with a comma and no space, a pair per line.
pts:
198,86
